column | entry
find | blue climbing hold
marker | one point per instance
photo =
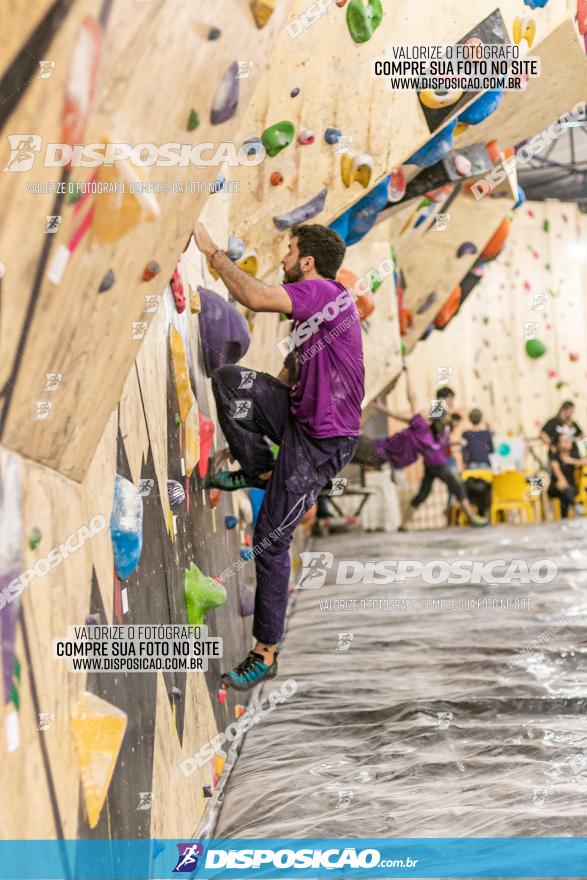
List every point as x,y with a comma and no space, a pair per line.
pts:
246,553
126,527
535,4
521,198
231,521
355,223
332,135
436,148
482,108
235,248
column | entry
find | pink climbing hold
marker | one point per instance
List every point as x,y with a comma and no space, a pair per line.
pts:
463,166
178,292
306,136
397,185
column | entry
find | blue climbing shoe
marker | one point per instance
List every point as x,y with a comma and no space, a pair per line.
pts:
232,481
250,672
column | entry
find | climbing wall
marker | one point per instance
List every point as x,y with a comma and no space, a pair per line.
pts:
71,296
545,255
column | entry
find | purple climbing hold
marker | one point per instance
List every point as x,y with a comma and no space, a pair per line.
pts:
428,302
107,281
427,332
303,213
214,33
294,92
176,695
227,96
224,332
467,247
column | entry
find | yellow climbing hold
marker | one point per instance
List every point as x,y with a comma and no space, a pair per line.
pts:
249,263
356,168
525,29
185,395
98,729
262,11
435,98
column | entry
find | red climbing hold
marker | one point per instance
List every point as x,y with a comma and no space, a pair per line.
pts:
214,498
177,291
276,179
151,269
206,437
222,695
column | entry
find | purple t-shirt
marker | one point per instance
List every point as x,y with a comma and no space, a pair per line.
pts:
403,448
326,370
437,452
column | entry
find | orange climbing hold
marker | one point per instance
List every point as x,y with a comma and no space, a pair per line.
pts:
185,395
98,729
206,437
449,309
496,244
582,16
262,11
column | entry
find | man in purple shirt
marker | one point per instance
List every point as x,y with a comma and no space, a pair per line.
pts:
312,410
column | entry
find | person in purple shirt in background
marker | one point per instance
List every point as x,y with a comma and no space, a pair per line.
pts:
312,410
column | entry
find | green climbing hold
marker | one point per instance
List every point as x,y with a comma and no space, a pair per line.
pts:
504,449
202,593
560,384
15,692
74,195
34,538
277,137
177,420
363,20
376,281
535,349
193,120
424,203
404,350
546,226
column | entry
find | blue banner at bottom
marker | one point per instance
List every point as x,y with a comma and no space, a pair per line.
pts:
517,857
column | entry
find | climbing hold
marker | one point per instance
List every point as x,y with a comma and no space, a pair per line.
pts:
151,269
574,357
535,4
427,304
224,334
126,526
185,395
535,349
551,374
176,695
463,166
107,281
276,179
524,29
482,108
521,198
231,521
397,185
176,494
365,305
214,498
363,20
235,248
222,694
262,11
497,242
239,711
277,137
207,791
206,437
34,538
376,280
582,16
449,309
254,147
193,120
403,349
177,292
214,33
436,148
434,99
348,279
202,593
98,729
303,213
358,168
306,136
177,420
246,553
294,92
546,226
249,263
192,439
73,197
504,449
467,247
332,135
92,620
226,99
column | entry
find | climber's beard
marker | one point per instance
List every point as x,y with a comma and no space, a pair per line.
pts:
290,276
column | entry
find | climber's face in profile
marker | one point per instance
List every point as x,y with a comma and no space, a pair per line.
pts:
294,266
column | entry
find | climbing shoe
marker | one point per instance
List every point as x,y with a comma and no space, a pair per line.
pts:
479,521
250,672
232,481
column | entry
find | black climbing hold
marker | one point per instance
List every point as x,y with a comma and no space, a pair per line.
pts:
295,92
107,281
176,695
214,33
207,791
92,620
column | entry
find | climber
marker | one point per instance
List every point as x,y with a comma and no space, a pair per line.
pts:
312,410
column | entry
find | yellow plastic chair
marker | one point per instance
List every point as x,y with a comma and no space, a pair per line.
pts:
510,493
478,474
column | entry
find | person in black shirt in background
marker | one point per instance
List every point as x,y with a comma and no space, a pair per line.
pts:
563,461
562,423
477,446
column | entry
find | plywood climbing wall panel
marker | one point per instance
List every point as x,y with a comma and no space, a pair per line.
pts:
484,345
68,326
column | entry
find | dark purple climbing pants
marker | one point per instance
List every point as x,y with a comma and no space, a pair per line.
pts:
253,406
